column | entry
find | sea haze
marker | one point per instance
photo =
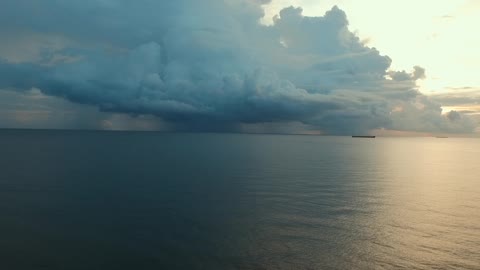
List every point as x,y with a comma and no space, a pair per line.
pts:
127,200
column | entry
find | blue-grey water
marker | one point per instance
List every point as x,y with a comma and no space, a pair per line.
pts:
106,200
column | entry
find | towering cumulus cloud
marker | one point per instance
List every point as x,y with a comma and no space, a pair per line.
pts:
210,65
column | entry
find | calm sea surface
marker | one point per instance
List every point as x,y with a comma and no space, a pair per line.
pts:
103,200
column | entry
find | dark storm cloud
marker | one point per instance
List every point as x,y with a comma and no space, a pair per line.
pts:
209,65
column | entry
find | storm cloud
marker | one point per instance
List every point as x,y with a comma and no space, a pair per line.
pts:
211,66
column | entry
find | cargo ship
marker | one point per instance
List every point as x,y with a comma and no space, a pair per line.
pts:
365,137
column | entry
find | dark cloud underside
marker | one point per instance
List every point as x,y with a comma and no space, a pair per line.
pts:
209,65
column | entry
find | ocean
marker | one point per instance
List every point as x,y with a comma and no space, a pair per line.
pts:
146,200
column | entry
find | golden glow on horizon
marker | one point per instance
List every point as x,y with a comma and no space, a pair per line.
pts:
470,109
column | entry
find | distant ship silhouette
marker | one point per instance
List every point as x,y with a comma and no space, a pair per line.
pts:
364,137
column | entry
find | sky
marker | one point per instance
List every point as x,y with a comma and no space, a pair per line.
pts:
441,33
283,66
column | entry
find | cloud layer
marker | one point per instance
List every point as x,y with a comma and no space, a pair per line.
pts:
211,66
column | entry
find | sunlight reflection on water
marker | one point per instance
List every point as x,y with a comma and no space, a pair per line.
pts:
146,200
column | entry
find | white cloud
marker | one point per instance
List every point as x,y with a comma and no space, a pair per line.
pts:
211,66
